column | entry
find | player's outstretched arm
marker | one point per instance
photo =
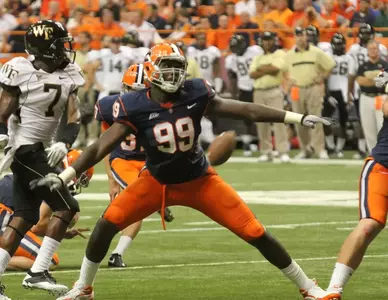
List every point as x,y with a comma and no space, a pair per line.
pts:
260,113
89,157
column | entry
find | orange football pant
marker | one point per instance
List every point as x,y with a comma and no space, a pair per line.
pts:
208,194
373,191
125,171
29,247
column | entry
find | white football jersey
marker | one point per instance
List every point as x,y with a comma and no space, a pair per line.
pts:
205,59
339,77
113,66
240,65
325,47
43,99
138,54
360,54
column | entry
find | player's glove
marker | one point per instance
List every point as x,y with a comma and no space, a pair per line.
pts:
381,79
311,120
51,180
56,153
332,101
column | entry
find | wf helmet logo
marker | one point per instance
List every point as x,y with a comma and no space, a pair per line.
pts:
43,30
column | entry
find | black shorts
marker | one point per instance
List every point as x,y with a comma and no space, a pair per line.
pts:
30,162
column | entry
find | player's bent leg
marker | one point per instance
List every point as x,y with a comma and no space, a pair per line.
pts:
221,203
139,200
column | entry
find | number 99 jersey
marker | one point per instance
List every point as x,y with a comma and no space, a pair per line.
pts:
128,149
42,99
169,132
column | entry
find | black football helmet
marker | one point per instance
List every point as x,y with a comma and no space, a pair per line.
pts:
338,44
238,44
312,33
132,38
50,42
366,33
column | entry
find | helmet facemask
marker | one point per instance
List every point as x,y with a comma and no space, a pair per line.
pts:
169,73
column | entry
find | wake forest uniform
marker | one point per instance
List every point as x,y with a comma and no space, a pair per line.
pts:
205,59
30,245
337,86
42,99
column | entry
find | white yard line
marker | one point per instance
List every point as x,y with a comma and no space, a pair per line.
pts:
209,264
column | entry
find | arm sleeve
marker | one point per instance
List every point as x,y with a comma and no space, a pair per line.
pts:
15,73
361,71
254,65
121,113
278,62
230,64
326,62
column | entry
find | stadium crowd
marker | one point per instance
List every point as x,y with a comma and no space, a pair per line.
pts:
99,24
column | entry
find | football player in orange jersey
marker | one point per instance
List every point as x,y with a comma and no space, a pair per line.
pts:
166,120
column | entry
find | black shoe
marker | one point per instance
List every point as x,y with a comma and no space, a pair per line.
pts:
44,281
116,261
2,293
168,216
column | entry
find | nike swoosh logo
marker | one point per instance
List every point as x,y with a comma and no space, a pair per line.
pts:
191,106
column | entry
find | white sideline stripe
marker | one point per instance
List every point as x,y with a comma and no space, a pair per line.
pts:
305,198
312,161
224,263
282,225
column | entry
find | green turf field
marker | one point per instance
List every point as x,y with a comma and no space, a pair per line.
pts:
309,208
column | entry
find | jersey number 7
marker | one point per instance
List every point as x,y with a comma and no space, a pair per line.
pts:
165,135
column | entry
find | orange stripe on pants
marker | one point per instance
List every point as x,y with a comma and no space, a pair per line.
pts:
208,194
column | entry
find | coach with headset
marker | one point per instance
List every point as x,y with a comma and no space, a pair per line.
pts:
266,70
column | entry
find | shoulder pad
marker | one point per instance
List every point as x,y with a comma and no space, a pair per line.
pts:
75,72
16,72
103,109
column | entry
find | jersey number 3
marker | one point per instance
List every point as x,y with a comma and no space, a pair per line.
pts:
165,135
47,87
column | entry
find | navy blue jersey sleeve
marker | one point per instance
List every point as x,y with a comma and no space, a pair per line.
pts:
6,191
104,108
122,111
203,87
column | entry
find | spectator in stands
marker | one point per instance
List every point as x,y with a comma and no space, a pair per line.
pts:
181,23
247,6
247,24
156,20
334,19
16,42
147,32
107,26
344,8
77,19
382,19
375,6
53,12
261,13
190,5
204,25
364,15
16,6
220,9
299,13
47,9
281,14
222,37
7,22
312,17
113,7
234,19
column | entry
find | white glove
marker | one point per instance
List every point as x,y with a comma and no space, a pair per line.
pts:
3,140
218,84
311,120
56,153
381,79
332,101
51,180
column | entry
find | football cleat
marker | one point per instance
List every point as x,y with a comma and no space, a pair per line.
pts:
79,292
316,293
44,281
168,215
116,261
2,293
